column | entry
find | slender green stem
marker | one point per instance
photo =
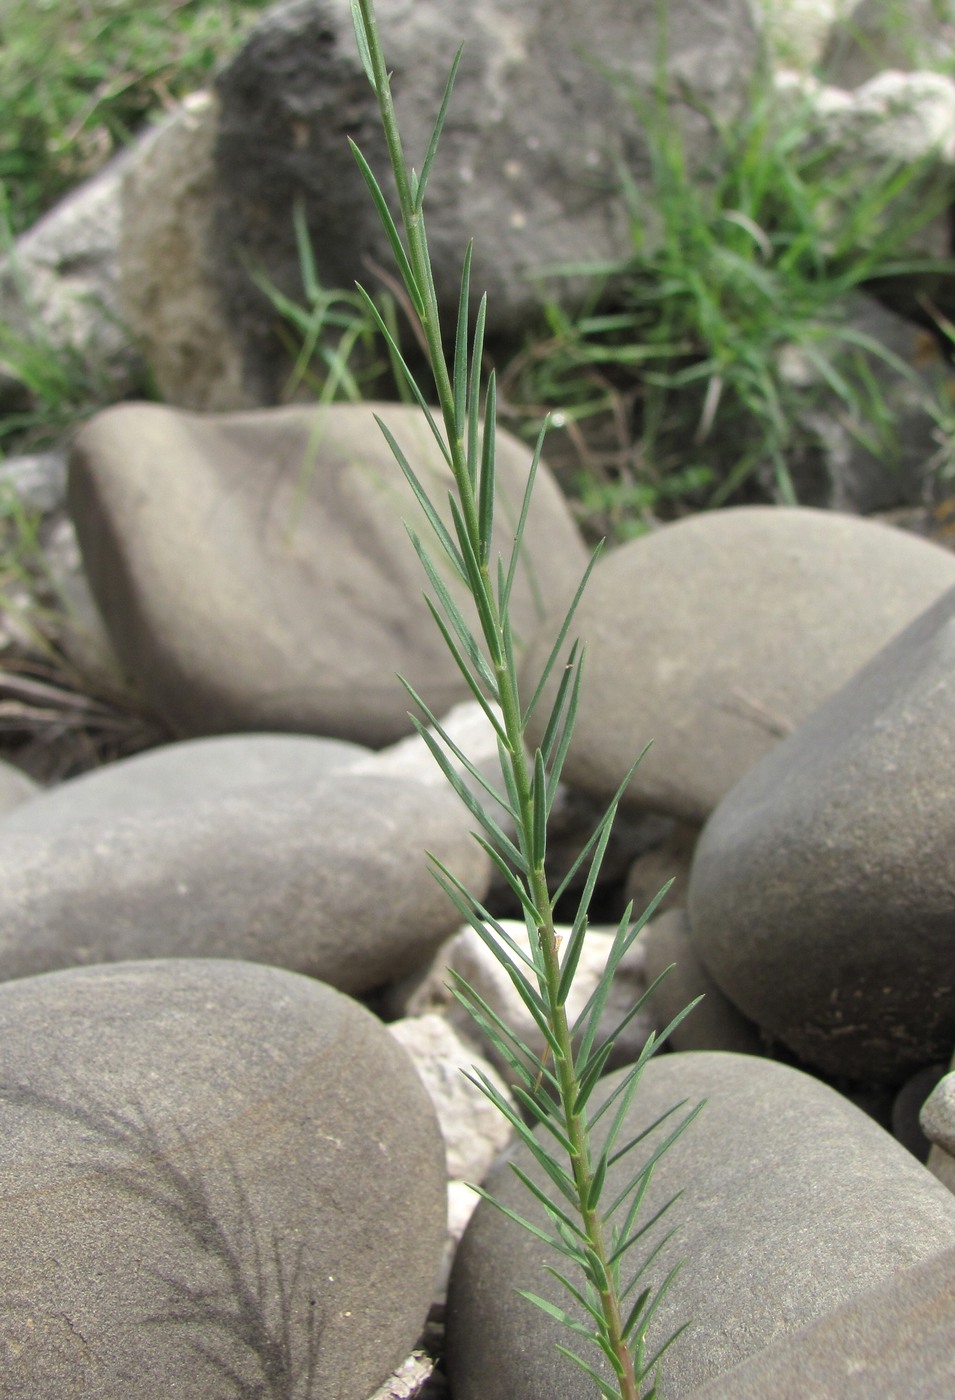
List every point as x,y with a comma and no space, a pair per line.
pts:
526,786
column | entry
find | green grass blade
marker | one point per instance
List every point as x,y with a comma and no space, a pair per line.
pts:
394,350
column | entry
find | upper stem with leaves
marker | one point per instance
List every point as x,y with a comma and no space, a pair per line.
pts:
554,1087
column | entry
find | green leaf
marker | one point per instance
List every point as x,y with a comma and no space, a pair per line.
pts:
558,1314
518,542
456,618
597,1183
458,752
361,39
566,1186
401,362
579,931
588,1306
460,374
518,1219
559,641
394,238
608,1391
424,501
539,818
517,886
436,133
486,500
474,392
588,1080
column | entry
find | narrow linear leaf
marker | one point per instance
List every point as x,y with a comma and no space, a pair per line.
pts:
528,1225
456,619
424,501
558,1314
560,638
627,1244
480,591
576,1294
579,932
442,734
518,888
608,1391
539,819
460,373
486,497
551,730
394,351
436,133
518,542
597,1183
552,1210
485,920
474,393
588,1082
361,40
388,223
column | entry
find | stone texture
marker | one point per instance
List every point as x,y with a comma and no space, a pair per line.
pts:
896,1342
937,1117
836,469
715,1023
907,1106
717,635
880,34
474,1131
216,1178
667,862
58,287
793,1204
167,292
254,570
543,113
822,895
245,848
15,787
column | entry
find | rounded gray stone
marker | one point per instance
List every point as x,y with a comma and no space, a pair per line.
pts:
715,636
15,788
237,848
215,1179
794,1202
254,570
822,893
713,1024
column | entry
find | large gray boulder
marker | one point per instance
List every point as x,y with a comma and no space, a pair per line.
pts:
218,1179
794,1203
264,848
255,572
896,1342
715,636
822,893
547,105
15,787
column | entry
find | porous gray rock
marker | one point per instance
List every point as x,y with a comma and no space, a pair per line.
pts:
256,847
794,1203
254,570
546,107
167,293
15,787
715,636
217,1178
822,893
